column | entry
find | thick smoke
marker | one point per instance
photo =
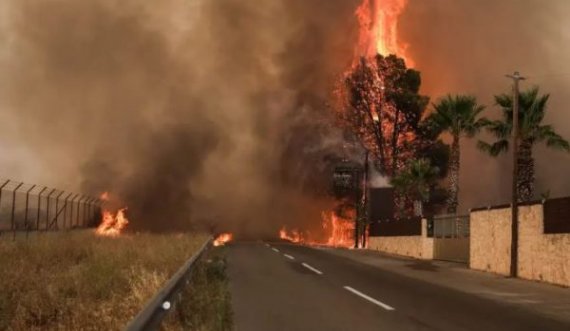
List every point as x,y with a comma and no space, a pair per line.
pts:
214,112
194,113
464,46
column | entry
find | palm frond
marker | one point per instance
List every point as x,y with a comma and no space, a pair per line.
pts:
494,149
500,129
457,114
416,179
547,134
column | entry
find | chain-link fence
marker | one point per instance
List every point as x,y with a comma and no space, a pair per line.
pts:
26,207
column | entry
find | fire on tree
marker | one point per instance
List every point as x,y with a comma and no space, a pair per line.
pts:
379,99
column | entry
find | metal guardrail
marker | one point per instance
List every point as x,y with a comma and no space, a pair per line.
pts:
164,301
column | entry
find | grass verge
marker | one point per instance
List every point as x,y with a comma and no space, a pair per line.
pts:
79,281
206,302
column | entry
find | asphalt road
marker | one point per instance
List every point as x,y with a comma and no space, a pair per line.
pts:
277,286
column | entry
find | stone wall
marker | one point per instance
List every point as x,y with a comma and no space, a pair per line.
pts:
490,241
542,257
419,247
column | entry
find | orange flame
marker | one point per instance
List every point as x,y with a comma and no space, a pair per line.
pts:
112,225
223,239
292,236
342,230
378,21
339,232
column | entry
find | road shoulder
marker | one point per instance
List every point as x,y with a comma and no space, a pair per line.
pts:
545,299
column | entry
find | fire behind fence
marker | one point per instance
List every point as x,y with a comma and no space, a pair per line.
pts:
26,207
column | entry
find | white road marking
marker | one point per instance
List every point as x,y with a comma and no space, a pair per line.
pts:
364,296
275,250
266,244
289,256
318,272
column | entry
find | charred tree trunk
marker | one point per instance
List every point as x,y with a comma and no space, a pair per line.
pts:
525,182
452,200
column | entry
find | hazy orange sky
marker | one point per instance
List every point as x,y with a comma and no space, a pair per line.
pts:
107,77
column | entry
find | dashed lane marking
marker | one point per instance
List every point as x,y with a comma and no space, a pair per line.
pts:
318,272
366,297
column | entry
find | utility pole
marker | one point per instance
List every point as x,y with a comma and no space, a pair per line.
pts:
516,77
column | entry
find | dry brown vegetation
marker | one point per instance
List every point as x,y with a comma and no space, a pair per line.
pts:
78,281
206,303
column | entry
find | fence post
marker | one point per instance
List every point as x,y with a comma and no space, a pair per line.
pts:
65,207
72,211
98,208
1,188
81,197
12,220
90,215
57,210
26,212
39,208
88,212
47,212
87,199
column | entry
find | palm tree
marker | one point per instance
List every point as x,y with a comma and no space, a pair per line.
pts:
416,180
532,108
459,116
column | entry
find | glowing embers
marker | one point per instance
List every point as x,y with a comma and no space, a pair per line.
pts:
222,239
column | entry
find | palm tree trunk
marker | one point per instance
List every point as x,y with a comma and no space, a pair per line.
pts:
452,200
525,177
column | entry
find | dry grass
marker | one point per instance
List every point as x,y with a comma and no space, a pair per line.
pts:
77,281
206,303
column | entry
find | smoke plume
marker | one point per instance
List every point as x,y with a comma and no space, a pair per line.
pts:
195,113
214,112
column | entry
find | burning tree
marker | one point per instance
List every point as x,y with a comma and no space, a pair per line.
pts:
384,108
